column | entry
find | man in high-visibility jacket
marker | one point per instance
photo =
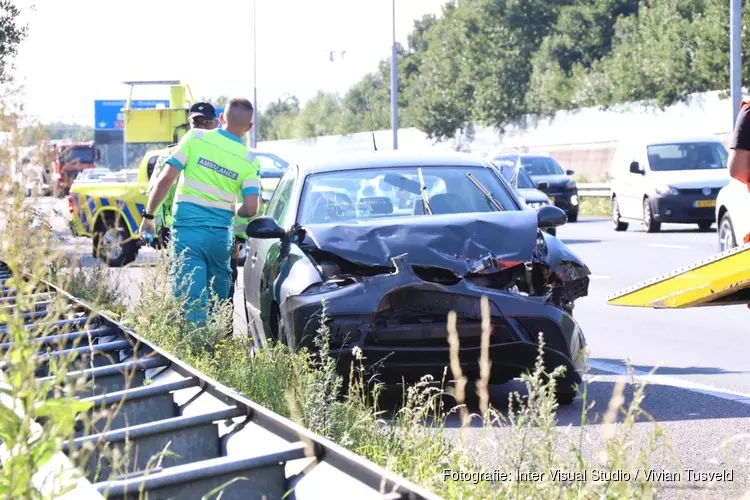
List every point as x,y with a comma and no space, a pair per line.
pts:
202,115
215,168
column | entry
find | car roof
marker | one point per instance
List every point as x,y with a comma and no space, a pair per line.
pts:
391,158
523,155
646,141
682,140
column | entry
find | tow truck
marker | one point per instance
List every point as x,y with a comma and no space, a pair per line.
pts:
108,209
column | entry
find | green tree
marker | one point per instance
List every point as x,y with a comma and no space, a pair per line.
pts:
671,49
219,102
320,116
582,36
445,91
11,35
59,130
277,120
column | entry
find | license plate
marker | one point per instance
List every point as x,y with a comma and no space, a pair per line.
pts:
704,203
551,199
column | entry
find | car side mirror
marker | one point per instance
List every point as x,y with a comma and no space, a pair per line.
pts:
542,185
549,216
570,172
635,168
265,228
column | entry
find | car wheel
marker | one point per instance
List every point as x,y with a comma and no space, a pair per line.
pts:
727,241
617,224
114,245
649,223
565,395
281,334
705,226
573,216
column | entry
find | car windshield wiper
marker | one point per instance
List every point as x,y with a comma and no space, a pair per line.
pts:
485,192
423,188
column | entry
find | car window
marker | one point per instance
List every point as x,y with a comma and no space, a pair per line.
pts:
541,166
507,169
687,156
395,192
271,166
278,207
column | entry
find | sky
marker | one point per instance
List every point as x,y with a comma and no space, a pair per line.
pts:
78,51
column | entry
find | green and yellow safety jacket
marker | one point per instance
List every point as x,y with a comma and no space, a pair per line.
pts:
216,169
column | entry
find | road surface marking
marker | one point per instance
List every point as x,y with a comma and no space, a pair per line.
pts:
598,277
664,245
737,397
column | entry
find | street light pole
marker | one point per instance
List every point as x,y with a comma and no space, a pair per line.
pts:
394,83
735,57
255,82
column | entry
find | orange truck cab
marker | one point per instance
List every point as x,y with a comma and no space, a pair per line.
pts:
70,158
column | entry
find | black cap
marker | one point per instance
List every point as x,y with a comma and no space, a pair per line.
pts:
202,109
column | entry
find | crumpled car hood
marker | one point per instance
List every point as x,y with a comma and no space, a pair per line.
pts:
457,241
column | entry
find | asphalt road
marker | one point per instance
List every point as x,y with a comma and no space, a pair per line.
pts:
700,393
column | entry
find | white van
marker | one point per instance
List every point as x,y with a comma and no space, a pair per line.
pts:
673,181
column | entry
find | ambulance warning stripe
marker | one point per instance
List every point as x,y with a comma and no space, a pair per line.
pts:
130,211
679,271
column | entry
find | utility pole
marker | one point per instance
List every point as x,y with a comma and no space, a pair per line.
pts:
394,83
735,56
255,81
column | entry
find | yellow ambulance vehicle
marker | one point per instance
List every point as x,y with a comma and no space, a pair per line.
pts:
108,209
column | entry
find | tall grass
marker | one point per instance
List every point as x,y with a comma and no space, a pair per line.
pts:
413,442
39,415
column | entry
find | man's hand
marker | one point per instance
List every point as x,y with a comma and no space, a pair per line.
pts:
147,226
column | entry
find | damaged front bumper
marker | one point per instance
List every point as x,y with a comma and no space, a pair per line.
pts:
399,322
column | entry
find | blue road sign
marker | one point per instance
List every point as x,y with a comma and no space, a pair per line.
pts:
108,114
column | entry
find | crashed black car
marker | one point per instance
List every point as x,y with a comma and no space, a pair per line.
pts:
392,242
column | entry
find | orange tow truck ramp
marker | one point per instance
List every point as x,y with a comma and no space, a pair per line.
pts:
721,280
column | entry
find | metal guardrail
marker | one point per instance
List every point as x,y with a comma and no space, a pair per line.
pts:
214,434
601,190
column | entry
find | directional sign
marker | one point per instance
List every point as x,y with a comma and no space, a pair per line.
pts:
109,115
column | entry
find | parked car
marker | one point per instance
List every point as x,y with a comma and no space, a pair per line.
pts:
673,181
551,179
389,273
732,220
524,186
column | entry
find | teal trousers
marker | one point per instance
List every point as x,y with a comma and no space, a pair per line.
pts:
204,267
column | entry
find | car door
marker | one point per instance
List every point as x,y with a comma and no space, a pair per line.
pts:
639,183
262,254
629,198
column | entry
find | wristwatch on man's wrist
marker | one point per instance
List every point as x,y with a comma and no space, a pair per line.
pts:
146,215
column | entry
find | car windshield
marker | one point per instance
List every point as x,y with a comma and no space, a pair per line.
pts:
687,156
77,155
507,168
271,166
395,192
541,165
